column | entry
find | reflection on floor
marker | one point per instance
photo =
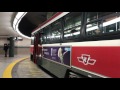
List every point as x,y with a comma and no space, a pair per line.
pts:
27,69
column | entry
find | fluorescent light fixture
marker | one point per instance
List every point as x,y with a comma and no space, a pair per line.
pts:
76,33
92,28
52,36
14,26
18,17
57,36
78,28
20,14
111,22
16,22
19,37
67,35
89,25
32,38
105,24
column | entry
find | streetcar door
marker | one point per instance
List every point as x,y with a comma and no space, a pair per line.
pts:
40,46
35,52
32,48
39,50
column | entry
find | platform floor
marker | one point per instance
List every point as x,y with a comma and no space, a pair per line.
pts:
23,69
5,61
27,69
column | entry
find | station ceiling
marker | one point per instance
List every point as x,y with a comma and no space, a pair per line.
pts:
31,21
6,29
28,23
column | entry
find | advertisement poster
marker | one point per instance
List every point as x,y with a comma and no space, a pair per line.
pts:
58,54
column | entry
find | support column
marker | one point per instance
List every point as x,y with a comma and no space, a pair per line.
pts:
11,47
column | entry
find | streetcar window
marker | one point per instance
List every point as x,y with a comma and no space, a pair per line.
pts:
56,29
94,28
72,25
92,16
72,33
40,37
102,25
118,26
102,14
72,20
110,24
110,28
45,36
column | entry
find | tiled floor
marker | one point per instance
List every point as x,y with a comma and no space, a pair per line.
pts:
5,61
27,69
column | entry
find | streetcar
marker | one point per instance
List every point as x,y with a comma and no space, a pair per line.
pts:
78,45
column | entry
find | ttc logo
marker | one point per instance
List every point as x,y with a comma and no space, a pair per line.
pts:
85,59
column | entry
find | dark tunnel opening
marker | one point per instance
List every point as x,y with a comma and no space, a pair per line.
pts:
26,27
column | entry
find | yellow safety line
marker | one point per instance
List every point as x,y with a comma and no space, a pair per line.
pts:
8,71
